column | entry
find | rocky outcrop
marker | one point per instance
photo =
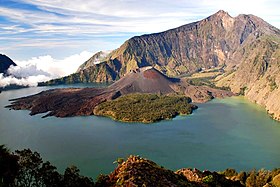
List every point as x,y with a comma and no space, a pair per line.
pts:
5,63
137,171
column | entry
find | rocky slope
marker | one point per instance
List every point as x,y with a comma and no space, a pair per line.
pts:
245,47
137,171
5,63
258,75
82,101
218,40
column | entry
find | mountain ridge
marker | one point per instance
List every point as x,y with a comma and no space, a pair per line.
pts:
245,48
181,50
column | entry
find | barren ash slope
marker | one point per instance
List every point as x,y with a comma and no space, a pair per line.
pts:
245,47
82,101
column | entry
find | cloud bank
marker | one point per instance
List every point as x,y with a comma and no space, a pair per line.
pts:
42,68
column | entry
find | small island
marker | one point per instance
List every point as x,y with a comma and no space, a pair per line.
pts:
145,108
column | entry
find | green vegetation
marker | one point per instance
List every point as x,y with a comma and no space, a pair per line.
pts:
242,90
272,83
27,169
254,178
206,81
94,74
146,108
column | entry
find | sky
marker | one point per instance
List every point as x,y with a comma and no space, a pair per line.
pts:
56,32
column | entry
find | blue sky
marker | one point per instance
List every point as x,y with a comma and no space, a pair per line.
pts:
60,28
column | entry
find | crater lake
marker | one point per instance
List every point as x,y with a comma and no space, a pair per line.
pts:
220,134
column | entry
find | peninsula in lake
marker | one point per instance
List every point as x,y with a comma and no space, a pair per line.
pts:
177,95
215,57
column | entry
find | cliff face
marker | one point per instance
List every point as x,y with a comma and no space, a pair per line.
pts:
258,75
185,49
218,40
5,63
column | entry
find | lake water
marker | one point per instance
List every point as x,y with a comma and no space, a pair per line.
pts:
223,133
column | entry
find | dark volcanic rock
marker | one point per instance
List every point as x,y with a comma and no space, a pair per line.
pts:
144,80
82,101
5,63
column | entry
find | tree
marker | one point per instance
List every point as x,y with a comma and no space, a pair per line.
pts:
72,178
29,173
9,167
27,169
49,176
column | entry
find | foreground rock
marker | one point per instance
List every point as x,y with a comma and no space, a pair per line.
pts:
82,101
137,171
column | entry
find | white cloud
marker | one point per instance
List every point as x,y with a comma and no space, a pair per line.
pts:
42,68
57,23
26,71
26,81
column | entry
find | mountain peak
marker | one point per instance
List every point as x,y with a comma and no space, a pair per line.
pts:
221,14
144,80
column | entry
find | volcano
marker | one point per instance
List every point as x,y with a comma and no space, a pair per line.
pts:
68,102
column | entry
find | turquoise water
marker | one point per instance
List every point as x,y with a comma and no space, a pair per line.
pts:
223,133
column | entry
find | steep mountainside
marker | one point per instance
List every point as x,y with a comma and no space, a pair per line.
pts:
258,76
94,73
219,40
5,63
245,47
